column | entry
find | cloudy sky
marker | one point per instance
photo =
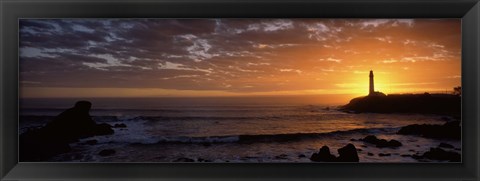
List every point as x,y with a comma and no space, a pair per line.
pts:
232,57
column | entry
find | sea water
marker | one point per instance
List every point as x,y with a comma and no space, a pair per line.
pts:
253,129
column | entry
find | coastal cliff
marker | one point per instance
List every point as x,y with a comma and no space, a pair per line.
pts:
444,104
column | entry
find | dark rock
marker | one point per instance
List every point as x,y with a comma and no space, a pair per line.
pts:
411,150
348,154
302,156
449,130
370,139
121,125
445,145
323,155
184,160
370,154
440,154
394,143
406,155
54,138
77,123
358,149
384,154
381,143
91,142
353,139
107,152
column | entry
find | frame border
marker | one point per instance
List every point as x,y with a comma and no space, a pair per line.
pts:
12,10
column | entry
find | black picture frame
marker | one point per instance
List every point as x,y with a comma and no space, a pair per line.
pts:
467,10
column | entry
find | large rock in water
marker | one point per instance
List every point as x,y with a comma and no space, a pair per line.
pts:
323,155
347,153
54,138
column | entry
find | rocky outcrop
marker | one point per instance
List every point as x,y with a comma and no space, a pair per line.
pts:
381,143
347,153
54,138
444,104
440,154
449,130
323,155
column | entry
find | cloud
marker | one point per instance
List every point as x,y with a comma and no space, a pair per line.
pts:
386,39
375,23
258,64
330,59
390,61
291,70
177,66
277,25
213,54
198,50
271,25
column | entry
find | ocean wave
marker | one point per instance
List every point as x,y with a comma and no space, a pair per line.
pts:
289,137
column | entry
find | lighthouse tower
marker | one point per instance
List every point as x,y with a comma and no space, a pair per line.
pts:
372,89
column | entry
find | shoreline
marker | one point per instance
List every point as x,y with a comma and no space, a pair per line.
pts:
272,148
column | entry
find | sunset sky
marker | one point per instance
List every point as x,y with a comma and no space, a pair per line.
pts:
236,57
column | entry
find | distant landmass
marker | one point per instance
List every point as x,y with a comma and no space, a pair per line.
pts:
378,102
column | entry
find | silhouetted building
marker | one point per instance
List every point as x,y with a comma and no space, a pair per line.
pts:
372,88
372,91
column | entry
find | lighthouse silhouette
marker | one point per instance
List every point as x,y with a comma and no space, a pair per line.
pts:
371,91
372,88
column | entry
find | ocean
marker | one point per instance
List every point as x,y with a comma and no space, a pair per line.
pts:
231,129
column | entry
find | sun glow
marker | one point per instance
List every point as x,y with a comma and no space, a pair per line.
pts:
240,58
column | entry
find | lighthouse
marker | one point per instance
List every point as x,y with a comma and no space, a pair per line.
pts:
372,89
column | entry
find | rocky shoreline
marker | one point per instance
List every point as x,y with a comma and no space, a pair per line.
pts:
76,127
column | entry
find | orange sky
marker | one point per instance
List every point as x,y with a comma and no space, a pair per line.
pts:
237,57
